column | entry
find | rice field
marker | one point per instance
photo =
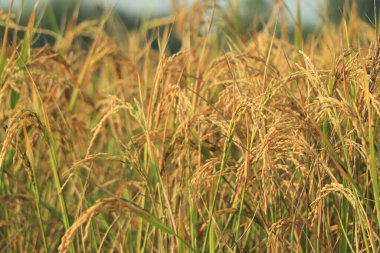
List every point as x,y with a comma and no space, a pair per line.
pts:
245,140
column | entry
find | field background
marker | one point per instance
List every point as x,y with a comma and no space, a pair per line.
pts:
209,129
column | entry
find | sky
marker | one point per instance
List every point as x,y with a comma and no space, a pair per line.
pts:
310,9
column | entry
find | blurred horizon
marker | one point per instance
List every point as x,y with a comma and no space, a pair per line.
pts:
132,12
310,9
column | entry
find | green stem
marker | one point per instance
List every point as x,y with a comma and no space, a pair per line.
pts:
373,167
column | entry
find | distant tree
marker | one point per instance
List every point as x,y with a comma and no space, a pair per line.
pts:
242,15
366,9
255,9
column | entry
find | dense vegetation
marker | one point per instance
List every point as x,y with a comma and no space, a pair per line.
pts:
236,143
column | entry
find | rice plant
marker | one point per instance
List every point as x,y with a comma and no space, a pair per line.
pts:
259,140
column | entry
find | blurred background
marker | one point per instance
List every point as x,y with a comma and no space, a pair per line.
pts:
311,10
250,13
